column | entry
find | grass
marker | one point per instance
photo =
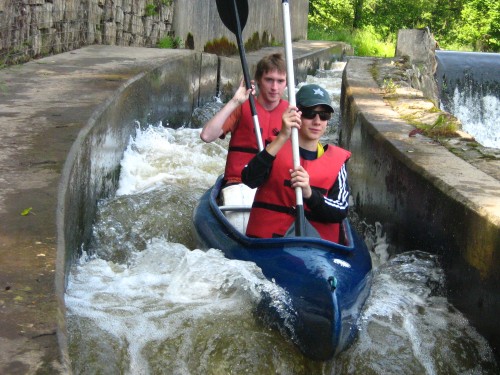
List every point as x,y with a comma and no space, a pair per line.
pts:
365,42
445,125
170,42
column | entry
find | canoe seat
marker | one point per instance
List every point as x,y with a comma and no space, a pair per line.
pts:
233,208
236,204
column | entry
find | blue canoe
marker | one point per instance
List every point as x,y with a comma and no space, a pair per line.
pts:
327,283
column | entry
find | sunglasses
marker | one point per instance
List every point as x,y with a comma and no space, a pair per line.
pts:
310,114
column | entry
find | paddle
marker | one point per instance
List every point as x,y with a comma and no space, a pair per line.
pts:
300,224
234,17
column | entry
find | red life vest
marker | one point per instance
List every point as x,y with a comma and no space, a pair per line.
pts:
273,211
243,144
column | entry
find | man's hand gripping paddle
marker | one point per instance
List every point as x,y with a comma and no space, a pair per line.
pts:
234,14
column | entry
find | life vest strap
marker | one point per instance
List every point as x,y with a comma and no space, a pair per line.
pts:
248,150
274,207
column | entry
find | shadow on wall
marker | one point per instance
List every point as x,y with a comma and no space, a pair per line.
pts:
92,168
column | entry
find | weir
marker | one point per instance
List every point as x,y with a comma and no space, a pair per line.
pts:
469,87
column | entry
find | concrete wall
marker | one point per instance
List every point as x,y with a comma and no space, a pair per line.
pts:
425,197
202,20
92,168
34,28
419,46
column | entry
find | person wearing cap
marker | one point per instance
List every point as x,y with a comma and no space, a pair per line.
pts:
321,175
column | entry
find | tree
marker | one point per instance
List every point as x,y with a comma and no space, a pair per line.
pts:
472,23
358,14
479,25
331,14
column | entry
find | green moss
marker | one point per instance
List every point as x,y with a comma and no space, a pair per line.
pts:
488,157
374,71
390,86
153,7
150,10
170,42
445,125
256,42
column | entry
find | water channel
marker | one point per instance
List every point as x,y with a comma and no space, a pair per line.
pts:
146,301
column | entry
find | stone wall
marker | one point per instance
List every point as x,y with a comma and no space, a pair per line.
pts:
35,28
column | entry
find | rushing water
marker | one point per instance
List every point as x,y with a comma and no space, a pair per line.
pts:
148,302
469,85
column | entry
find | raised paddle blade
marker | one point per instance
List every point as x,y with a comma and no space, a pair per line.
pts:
226,9
234,14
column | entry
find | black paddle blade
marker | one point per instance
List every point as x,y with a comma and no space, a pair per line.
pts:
307,231
228,15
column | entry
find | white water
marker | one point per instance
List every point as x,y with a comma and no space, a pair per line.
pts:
479,115
148,302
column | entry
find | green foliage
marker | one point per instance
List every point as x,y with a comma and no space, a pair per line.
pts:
445,125
170,42
390,86
153,7
331,14
366,42
455,24
26,211
388,16
479,25
150,10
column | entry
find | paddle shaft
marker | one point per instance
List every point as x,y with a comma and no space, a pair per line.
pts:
246,75
299,218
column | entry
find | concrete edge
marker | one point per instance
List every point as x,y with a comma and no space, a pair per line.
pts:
426,197
91,169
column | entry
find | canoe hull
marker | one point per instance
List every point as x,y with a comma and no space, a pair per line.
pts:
327,283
